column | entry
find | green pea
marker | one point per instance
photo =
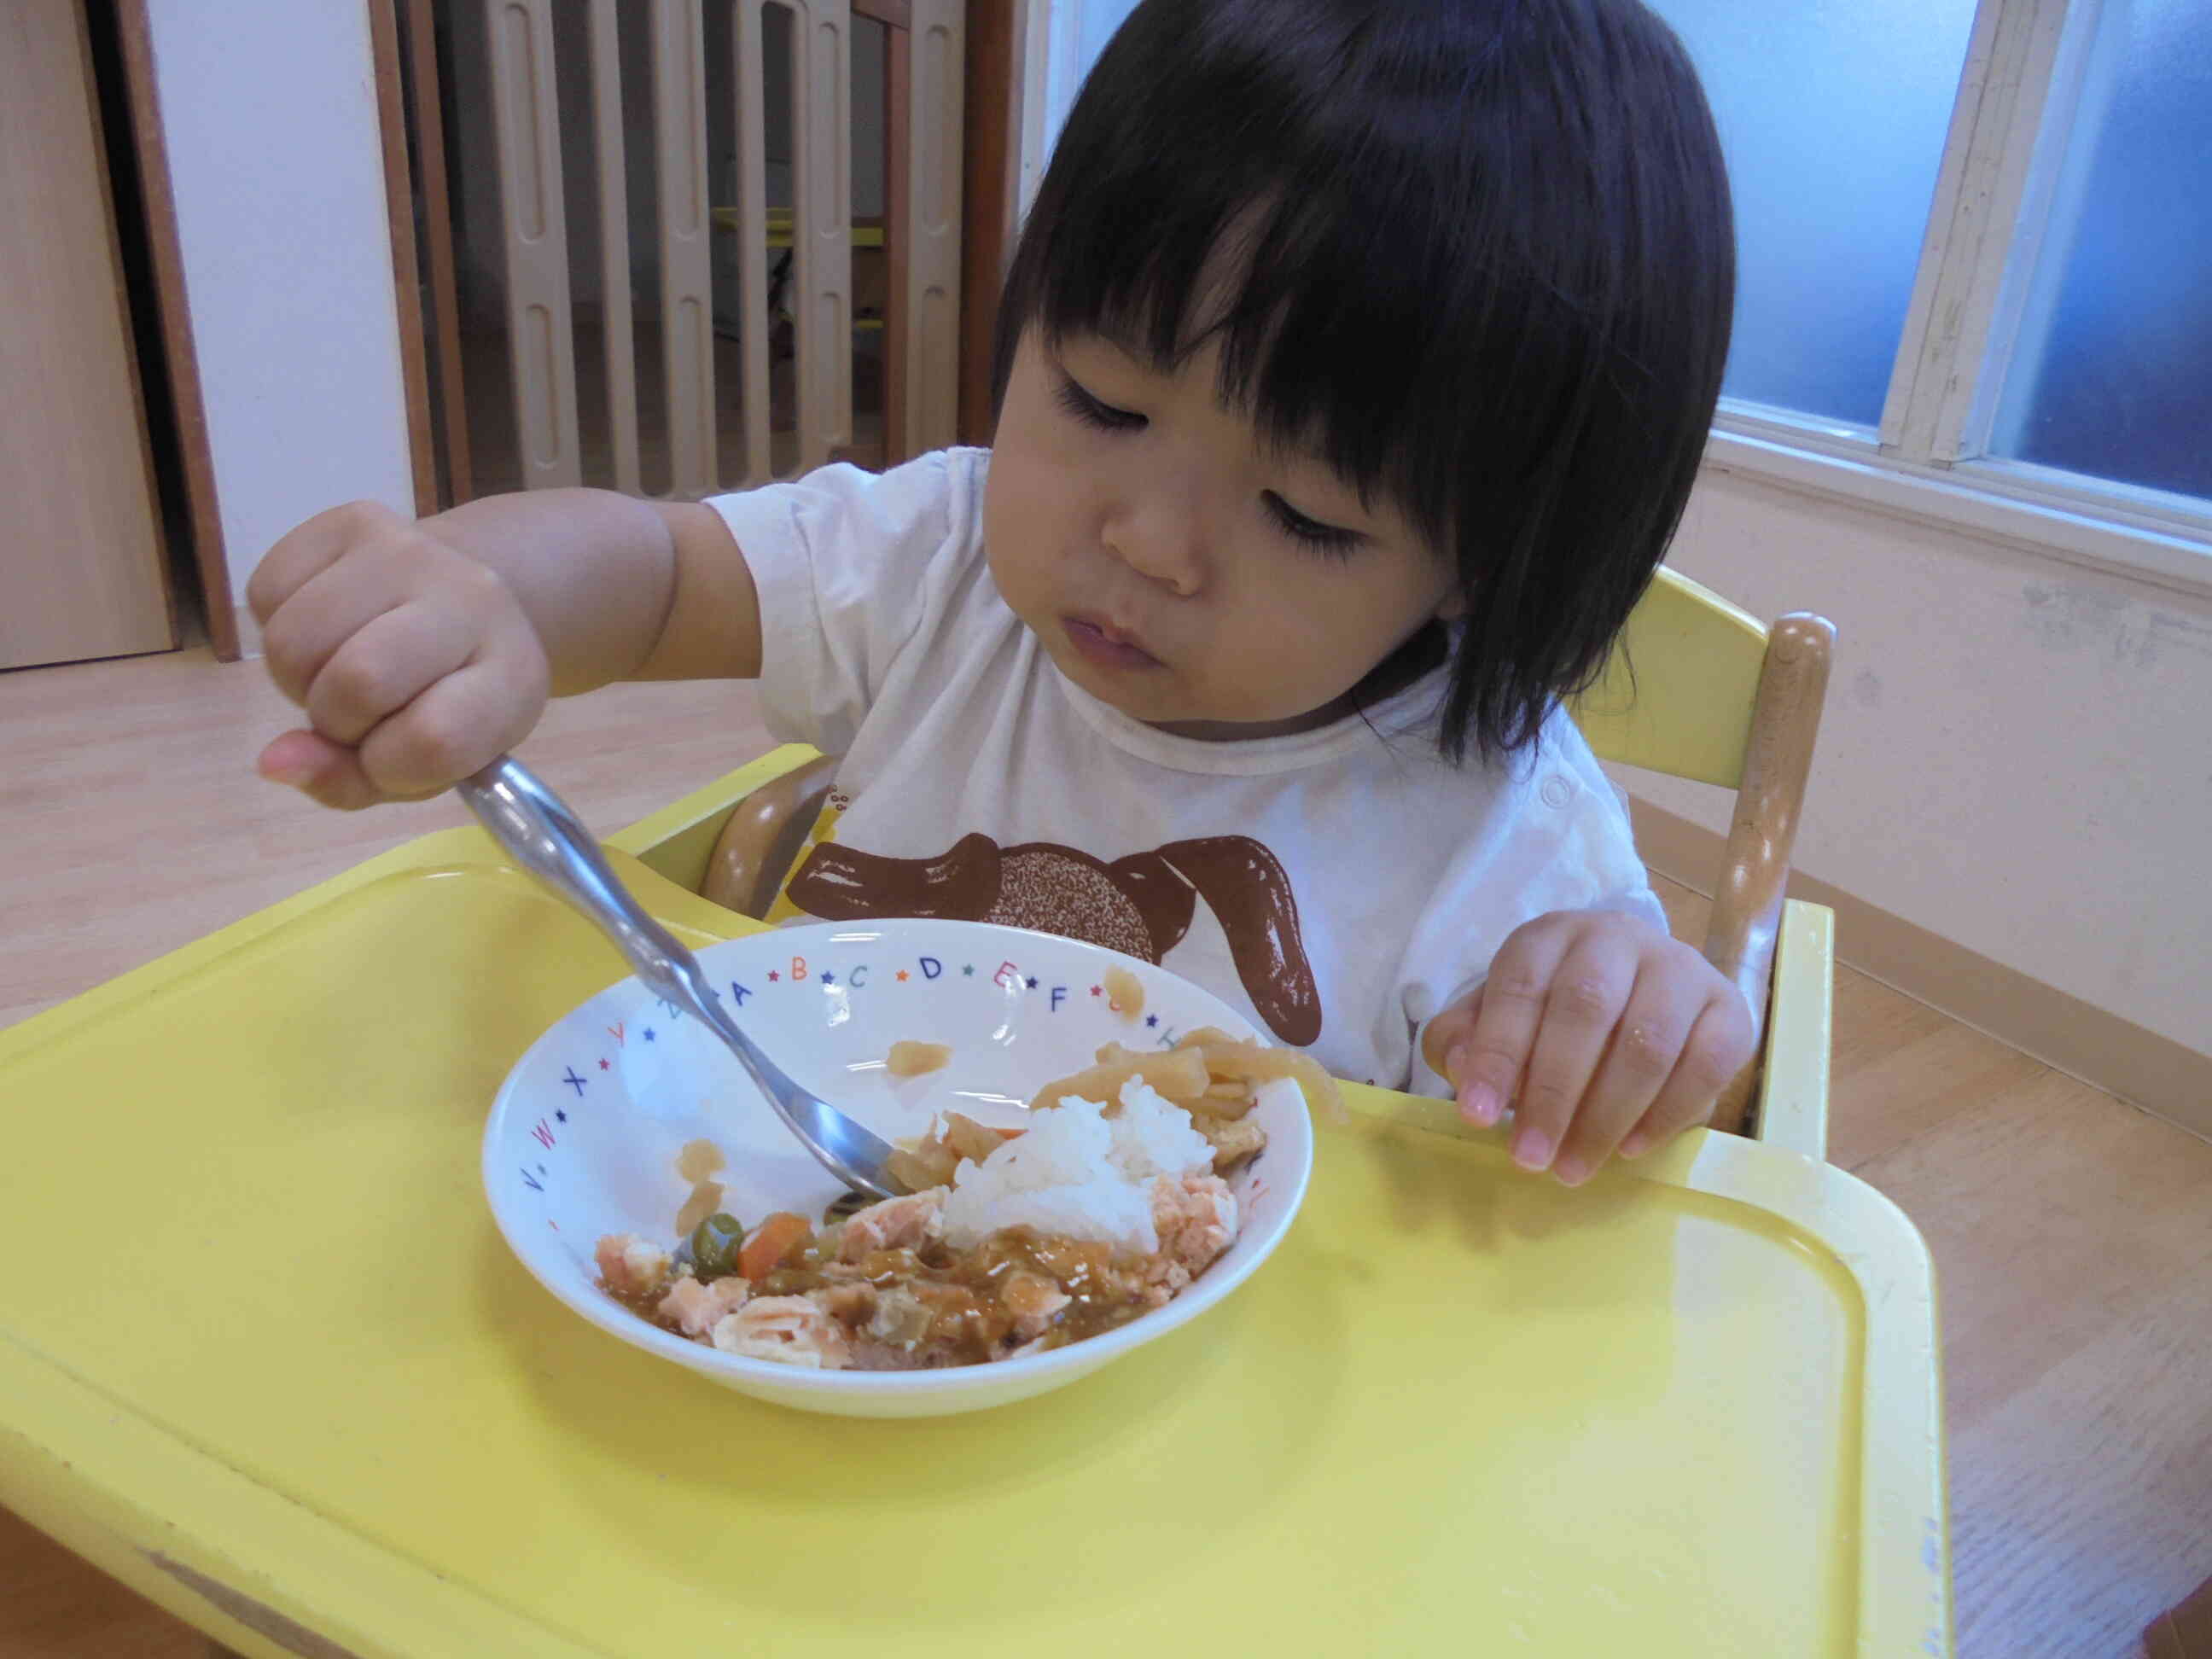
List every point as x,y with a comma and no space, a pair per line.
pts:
715,1245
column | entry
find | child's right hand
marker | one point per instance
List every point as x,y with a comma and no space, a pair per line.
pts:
417,665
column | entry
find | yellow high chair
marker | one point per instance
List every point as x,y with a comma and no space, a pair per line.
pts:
1698,689
264,1357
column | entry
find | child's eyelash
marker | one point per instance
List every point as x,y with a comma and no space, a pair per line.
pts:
1330,539
1322,538
1088,411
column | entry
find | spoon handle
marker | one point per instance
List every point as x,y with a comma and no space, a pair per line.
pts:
537,828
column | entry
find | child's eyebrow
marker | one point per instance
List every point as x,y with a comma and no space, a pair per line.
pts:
1128,338
1308,458
1121,333
1306,454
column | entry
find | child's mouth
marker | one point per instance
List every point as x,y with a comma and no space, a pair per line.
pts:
1101,643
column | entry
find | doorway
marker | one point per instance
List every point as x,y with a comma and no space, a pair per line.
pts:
673,247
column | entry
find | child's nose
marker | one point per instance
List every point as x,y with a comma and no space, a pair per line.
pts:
1162,542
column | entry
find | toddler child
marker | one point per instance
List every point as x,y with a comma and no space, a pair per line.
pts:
1351,373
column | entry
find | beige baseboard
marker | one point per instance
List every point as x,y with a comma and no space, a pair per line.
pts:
2063,1031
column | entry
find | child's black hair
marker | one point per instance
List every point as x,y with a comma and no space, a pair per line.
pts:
1482,262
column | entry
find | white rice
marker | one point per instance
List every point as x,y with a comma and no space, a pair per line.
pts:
1079,1173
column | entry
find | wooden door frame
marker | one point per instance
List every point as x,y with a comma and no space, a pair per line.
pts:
188,406
990,192
400,172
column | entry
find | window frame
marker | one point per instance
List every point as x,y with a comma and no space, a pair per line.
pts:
2021,91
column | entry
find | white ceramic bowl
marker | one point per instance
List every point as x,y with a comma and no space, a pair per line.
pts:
584,1136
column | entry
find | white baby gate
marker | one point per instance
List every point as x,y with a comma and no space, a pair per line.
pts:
921,351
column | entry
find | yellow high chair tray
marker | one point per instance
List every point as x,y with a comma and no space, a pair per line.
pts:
264,1356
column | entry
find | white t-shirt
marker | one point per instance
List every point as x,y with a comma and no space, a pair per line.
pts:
1338,886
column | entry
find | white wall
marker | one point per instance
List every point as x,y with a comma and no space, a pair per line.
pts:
2016,753
269,110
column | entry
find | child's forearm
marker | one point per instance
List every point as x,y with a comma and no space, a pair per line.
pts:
595,572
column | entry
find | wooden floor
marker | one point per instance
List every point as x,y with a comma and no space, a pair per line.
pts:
2072,1235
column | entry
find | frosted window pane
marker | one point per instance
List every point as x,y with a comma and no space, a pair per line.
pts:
2112,372
1833,117
1100,19
1080,30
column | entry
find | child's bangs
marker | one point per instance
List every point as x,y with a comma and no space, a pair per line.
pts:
1236,269
1312,187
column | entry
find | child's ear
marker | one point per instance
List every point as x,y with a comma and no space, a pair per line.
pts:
1453,607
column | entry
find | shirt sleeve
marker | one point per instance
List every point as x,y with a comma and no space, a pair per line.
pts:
1562,842
848,566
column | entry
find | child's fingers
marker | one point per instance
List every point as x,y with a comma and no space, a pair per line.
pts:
294,757
387,665
1719,1043
1487,1064
1582,1006
457,727
1640,1058
1440,1043
320,770
310,549
322,614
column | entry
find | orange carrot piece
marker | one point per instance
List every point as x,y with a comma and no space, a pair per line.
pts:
770,1243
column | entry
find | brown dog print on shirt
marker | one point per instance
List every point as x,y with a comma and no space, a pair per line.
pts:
1140,905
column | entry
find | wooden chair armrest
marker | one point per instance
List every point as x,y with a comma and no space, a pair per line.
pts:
761,839
1747,908
677,840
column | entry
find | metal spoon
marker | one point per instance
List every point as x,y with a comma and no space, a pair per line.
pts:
536,827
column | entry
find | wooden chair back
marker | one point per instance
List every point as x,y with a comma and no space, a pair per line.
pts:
1697,689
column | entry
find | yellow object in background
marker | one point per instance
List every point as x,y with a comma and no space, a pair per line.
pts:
780,225
1678,689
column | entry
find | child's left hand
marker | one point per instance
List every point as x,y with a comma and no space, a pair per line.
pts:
1601,1032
